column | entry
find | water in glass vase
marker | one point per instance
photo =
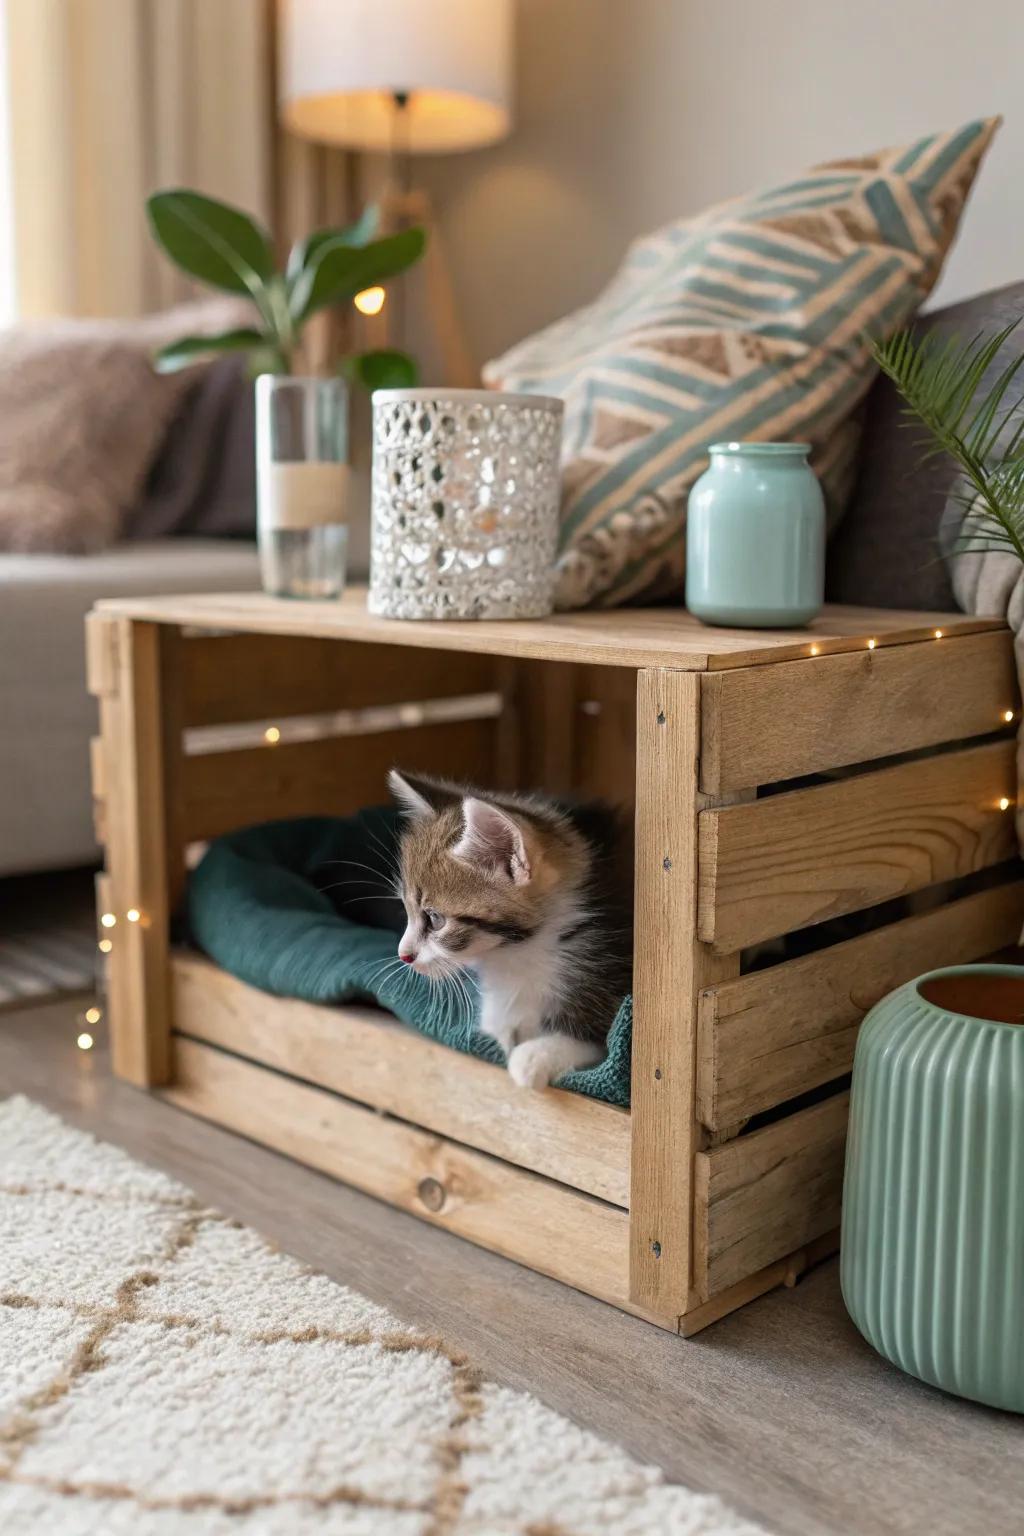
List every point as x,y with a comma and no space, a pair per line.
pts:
303,535
302,485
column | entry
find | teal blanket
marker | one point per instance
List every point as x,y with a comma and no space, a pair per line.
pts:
305,909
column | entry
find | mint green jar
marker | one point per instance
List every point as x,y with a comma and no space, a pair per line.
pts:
932,1263
755,537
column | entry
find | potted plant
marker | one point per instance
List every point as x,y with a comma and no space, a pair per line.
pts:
301,421
974,411
942,381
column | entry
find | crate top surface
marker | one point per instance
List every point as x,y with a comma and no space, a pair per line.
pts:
625,637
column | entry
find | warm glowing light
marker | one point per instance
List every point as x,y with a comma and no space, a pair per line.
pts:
133,914
370,301
938,634
105,946
872,644
108,919
84,1042
93,1015
272,734
1007,715
815,649
1004,803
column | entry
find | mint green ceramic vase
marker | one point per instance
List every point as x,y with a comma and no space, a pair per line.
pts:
755,537
933,1205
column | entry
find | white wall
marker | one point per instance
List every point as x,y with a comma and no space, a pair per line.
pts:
633,112
8,275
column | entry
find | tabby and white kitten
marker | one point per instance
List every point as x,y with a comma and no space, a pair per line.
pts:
533,896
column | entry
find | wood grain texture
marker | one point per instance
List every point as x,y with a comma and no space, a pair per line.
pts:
786,719
137,730
330,776
797,858
231,678
581,1241
669,969
366,1055
768,1193
633,637
101,654
605,749
776,1033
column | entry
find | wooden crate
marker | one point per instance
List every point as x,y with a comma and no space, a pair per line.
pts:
847,790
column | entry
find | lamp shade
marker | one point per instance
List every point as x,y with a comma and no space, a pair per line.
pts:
343,61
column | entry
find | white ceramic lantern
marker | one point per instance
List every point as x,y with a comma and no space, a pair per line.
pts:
465,504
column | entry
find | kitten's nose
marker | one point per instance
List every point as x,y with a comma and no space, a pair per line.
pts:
408,959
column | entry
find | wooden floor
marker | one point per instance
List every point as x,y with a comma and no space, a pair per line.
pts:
781,1409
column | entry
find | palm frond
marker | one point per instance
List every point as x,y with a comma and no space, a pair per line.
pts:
942,384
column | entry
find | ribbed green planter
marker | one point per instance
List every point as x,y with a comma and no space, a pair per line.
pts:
933,1204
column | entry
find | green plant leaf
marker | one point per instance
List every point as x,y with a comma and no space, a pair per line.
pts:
210,240
941,382
385,369
357,234
340,271
180,354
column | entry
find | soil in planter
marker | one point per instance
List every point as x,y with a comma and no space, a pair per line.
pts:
979,994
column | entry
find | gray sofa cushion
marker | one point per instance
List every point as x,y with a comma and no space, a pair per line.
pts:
48,717
886,552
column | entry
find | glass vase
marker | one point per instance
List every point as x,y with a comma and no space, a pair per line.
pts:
302,485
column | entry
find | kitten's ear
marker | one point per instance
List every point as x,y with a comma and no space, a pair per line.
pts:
420,798
493,840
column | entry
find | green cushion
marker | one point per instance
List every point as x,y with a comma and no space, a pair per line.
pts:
302,909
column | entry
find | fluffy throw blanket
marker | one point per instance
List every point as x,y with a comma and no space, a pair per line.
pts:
82,417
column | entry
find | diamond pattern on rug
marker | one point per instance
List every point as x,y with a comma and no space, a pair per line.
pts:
163,1372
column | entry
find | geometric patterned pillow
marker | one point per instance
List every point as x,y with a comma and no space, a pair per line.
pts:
746,322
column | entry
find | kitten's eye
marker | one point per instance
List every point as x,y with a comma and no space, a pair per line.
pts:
435,920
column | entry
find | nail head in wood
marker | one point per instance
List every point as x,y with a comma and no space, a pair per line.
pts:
656,1249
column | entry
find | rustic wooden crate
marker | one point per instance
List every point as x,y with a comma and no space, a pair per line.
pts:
780,781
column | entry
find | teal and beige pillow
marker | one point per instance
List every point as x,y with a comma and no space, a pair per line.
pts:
747,321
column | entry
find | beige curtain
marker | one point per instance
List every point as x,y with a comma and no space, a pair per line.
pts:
110,99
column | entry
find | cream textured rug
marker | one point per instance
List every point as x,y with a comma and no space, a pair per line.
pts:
163,1371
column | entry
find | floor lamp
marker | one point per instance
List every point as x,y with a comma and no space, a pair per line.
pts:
402,78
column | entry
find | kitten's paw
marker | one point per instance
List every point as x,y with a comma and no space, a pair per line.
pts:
537,1063
530,1064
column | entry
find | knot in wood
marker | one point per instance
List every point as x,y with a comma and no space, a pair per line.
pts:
432,1193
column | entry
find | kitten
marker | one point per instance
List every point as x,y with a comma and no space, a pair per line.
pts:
529,894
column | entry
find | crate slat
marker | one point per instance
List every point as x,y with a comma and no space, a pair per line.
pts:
794,859
365,1055
668,974
776,1033
331,776
764,1195
629,637
798,717
569,1236
232,678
